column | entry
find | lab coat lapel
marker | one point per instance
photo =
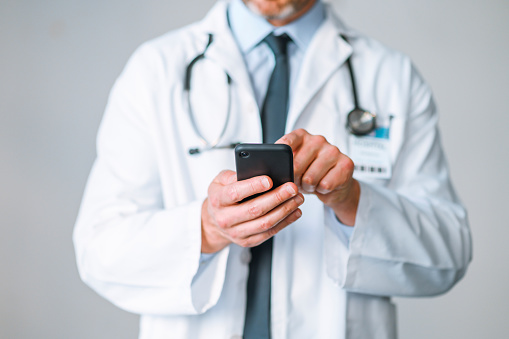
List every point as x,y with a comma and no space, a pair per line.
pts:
325,54
224,50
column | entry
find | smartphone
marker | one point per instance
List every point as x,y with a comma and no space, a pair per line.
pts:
273,160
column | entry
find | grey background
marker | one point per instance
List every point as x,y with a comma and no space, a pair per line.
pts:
58,60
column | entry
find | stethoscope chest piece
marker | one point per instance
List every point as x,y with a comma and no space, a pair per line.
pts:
361,122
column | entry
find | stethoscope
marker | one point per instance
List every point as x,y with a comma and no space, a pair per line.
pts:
359,121
207,145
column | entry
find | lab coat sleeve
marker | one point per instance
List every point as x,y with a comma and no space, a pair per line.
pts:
411,236
131,248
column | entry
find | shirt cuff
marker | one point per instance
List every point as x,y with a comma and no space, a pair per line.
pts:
204,257
347,230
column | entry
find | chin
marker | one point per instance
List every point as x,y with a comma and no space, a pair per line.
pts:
280,14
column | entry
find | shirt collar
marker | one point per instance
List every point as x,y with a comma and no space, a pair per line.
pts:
250,29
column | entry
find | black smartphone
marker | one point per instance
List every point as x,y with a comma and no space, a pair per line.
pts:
273,160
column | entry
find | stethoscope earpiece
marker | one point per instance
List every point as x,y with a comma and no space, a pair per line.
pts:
198,150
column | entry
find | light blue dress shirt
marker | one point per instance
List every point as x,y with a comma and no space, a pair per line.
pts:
249,29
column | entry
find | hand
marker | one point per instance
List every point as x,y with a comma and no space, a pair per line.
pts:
226,220
321,169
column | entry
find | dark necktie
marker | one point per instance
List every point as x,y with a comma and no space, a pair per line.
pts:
274,111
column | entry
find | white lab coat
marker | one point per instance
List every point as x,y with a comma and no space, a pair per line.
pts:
137,236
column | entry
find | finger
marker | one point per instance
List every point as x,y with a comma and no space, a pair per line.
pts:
303,159
337,177
327,158
261,205
259,238
240,190
306,155
268,220
225,177
293,139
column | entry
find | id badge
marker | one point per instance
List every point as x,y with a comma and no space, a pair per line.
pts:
371,155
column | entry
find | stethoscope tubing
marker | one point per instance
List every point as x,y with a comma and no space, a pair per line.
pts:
187,89
357,116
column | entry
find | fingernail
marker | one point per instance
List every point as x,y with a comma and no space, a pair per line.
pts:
265,183
299,199
290,189
322,191
298,214
308,188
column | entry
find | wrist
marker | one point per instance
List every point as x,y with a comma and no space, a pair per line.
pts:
346,208
211,239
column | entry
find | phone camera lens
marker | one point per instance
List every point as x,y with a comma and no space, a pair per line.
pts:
244,154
